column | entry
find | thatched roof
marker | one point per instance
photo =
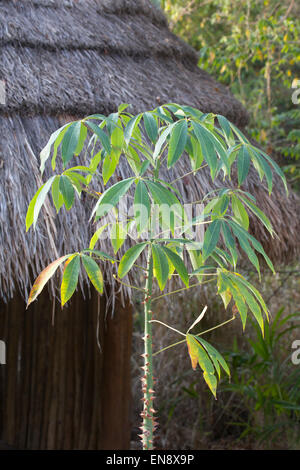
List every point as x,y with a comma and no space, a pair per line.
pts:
61,59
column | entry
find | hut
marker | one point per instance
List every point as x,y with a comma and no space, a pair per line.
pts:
60,60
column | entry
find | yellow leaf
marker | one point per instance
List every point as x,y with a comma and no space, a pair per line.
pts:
192,352
43,278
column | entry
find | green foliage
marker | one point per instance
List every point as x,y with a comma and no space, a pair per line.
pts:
266,382
145,141
254,47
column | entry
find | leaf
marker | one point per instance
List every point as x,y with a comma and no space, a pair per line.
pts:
111,197
229,242
70,142
243,164
225,125
44,277
117,138
56,136
178,264
262,217
118,235
211,238
198,355
36,203
142,206
129,258
110,163
163,196
160,266
96,236
253,305
102,136
245,245
177,142
276,168
161,140
150,126
94,272
240,212
58,199
70,279
67,191
81,140
214,353
122,107
198,319
130,127
207,148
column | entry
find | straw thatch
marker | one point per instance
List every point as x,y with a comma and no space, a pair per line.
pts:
61,59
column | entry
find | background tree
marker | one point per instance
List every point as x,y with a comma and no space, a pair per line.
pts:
253,47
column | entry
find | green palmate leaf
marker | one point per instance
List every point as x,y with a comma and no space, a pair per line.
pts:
55,138
252,304
129,258
81,139
177,142
70,279
256,244
239,134
225,126
150,126
253,289
122,107
70,142
118,235
162,197
134,160
161,140
178,264
262,167
102,136
240,212
211,238
94,272
117,137
44,277
230,243
207,148
111,197
37,203
196,154
96,236
160,266
243,241
57,197
225,283
110,163
262,217
130,127
67,191
214,355
276,168
243,163
142,206
199,356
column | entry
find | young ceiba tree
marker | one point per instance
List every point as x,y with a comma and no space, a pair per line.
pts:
160,224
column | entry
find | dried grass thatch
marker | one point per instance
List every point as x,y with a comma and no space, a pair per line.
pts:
61,59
